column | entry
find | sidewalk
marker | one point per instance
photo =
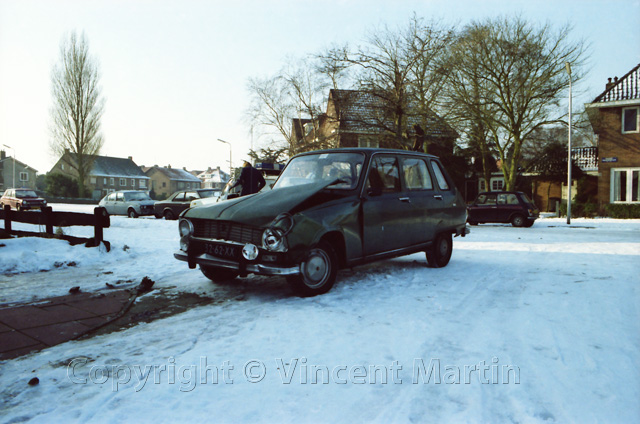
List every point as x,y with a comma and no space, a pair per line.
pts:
35,326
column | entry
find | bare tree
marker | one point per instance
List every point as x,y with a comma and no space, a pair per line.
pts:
398,68
77,107
518,71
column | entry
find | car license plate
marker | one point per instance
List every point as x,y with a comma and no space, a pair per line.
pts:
222,250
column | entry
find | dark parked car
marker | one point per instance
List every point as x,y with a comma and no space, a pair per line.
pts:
179,201
503,206
132,203
22,199
329,209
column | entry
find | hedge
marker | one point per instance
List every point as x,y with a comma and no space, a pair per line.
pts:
612,210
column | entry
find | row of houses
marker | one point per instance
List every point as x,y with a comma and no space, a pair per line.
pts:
109,174
353,119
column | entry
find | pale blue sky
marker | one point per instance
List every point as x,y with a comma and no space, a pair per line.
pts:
174,73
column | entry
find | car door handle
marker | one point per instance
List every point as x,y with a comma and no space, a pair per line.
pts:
404,199
437,196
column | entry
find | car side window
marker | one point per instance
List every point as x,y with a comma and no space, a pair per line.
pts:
502,199
112,197
416,174
189,196
490,199
440,178
119,197
179,197
384,175
512,199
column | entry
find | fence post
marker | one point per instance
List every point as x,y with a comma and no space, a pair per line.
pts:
7,219
47,213
100,214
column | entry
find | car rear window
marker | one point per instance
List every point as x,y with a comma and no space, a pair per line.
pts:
440,178
416,174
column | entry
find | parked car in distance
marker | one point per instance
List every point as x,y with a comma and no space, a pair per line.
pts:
173,206
22,199
503,206
128,202
329,209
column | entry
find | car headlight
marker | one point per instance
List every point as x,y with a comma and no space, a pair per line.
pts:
186,227
274,237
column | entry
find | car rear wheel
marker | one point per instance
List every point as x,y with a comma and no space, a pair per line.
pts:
518,221
439,253
218,275
132,213
168,215
318,271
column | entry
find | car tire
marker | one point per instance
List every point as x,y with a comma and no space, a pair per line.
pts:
132,213
318,271
439,253
168,215
18,208
473,223
529,223
218,275
518,220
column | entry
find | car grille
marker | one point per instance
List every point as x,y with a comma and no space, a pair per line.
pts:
226,230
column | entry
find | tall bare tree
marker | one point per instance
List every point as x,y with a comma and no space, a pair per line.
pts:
78,106
398,68
510,76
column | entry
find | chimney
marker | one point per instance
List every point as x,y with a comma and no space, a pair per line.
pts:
611,84
184,168
130,157
3,155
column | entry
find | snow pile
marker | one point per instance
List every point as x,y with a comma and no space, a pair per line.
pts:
524,325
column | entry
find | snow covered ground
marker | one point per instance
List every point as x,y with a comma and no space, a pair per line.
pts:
536,324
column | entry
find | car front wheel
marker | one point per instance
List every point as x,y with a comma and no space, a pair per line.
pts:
168,215
218,275
439,253
318,271
132,213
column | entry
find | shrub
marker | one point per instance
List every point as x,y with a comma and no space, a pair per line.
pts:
580,210
616,210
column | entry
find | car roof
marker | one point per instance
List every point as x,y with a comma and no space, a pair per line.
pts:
366,150
500,192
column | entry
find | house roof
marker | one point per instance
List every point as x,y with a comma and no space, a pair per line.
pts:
116,167
363,112
9,159
623,89
176,174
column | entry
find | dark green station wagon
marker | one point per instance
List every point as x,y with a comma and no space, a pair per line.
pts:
329,209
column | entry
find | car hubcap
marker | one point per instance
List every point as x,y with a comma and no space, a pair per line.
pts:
316,268
444,247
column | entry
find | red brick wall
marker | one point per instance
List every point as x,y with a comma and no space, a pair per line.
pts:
613,144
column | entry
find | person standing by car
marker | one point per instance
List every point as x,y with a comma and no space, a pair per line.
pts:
250,179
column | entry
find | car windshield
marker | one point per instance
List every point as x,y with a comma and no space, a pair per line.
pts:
206,193
344,168
140,195
25,193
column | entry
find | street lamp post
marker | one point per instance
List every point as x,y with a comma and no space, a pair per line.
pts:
230,156
568,68
14,164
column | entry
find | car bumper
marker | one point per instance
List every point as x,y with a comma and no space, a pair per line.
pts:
248,267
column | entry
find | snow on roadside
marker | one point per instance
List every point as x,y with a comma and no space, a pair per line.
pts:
554,307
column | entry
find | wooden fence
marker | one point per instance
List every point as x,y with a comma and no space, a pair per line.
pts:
49,219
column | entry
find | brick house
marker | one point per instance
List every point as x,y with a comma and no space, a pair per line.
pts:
15,174
359,119
615,118
107,174
167,180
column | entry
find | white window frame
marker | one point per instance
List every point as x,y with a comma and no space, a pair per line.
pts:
25,178
133,182
637,130
93,180
369,141
143,184
112,181
629,184
497,184
123,182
